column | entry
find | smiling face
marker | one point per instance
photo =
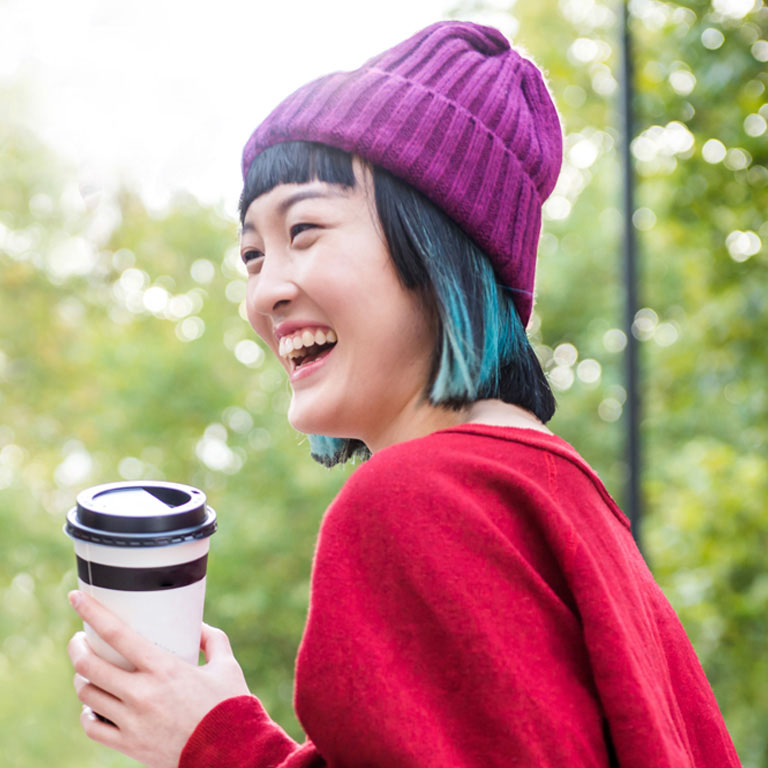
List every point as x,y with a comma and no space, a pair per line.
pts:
324,296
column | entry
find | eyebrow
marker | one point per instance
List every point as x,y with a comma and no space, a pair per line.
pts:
297,197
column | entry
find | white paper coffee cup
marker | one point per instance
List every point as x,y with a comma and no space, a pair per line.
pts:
142,551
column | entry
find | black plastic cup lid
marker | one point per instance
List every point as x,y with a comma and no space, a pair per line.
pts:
140,514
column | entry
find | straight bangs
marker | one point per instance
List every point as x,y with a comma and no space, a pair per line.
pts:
295,162
299,162
481,350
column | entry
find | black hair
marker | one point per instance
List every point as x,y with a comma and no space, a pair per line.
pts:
481,350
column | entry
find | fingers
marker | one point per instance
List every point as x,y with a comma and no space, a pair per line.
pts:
113,631
93,668
214,643
98,700
96,729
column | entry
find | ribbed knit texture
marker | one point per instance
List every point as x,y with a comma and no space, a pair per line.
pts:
458,114
478,602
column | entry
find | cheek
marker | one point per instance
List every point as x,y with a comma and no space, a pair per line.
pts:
258,322
418,326
254,317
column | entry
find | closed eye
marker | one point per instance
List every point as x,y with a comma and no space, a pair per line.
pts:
297,229
252,259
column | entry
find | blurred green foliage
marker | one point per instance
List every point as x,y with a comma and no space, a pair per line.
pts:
124,354
701,155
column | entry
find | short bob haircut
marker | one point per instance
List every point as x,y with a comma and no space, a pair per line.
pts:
482,350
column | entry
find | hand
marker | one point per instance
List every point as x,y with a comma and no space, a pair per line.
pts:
155,707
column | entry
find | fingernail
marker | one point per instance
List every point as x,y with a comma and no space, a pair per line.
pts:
74,598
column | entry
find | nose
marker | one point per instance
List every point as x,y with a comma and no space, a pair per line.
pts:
273,289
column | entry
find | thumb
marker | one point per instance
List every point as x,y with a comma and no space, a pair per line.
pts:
214,643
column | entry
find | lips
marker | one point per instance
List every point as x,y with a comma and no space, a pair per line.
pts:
301,347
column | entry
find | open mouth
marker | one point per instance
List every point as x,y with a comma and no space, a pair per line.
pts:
306,346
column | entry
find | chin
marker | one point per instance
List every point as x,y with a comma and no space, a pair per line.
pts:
312,421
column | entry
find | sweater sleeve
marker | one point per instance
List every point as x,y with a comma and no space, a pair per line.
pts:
434,638
238,733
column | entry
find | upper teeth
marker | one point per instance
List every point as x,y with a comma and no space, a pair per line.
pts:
289,346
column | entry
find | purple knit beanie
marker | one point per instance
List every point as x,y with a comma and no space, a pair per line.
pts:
460,116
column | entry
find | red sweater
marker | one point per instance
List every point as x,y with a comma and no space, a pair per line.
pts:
478,601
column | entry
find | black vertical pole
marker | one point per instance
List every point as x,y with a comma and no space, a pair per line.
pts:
632,501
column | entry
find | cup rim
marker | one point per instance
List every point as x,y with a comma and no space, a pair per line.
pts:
189,516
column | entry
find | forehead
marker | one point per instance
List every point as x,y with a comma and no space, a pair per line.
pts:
277,202
278,193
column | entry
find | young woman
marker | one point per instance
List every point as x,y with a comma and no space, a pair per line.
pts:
477,598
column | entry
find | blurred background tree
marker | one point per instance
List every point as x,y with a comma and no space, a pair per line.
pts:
124,353
700,155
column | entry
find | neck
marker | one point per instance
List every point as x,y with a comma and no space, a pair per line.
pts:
497,413
422,419
419,420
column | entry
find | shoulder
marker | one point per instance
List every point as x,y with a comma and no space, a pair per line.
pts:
458,501
458,459
475,472
445,478
403,484
418,506
432,465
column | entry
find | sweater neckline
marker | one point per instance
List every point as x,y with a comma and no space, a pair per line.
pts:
527,435
547,441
